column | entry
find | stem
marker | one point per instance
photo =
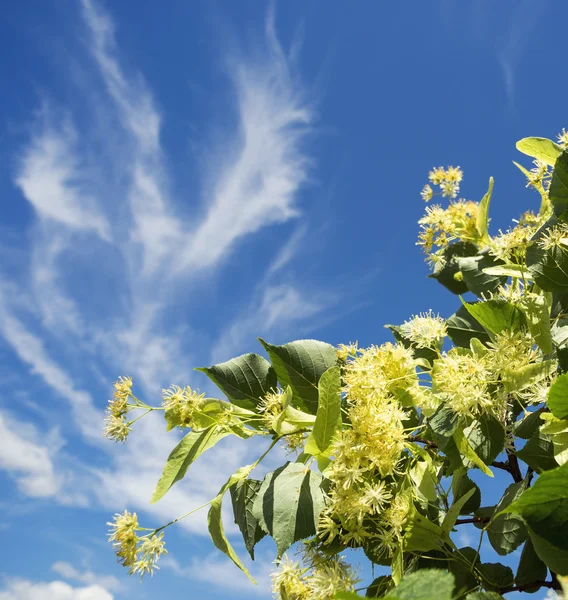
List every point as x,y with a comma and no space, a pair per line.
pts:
182,517
514,465
418,439
140,416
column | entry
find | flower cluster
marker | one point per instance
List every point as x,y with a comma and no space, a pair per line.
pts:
140,554
180,405
442,226
512,245
426,330
322,577
116,426
555,237
367,454
448,180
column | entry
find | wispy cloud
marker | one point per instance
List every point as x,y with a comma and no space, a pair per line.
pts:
259,179
29,462
53,180
523,20
147,262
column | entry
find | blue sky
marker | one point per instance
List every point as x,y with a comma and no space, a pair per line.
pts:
178,178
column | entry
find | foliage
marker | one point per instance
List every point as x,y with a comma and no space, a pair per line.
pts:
386,437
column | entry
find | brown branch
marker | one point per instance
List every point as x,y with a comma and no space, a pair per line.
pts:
501,465
428,443
514,465
473,520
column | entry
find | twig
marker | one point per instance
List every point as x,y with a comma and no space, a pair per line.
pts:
514,465
430,444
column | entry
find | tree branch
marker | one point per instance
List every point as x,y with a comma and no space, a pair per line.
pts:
418,439
515,470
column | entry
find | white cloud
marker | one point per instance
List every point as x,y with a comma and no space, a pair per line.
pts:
67,571
52,180
213,570
27,461
155,227
257,183
30,349
21,589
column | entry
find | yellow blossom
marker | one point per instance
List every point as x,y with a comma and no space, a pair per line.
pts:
427,193
437,175
180,404
562,138
426,330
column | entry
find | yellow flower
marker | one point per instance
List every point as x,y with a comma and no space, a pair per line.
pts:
562,138
426,330
181,404
454,174
437,175
123,534
427,193
116,428
151,549
449,189
555,237
462,381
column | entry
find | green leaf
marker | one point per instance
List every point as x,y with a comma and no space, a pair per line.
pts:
291,419
558,397
468,452
243,494
462,328
558,191
424,477
537,310
289,503
520,379
379,587
484,596
448,269
549,268
245,380
462,569
515,271
507,531
461,484
215,521
328,417
556,559
496,315
348,596
542,149
443,424
544,507
300,365
531,568
526,427
496,575
426,584
486,437
452,515
482,222
422,534
538,453
476,277
183,455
